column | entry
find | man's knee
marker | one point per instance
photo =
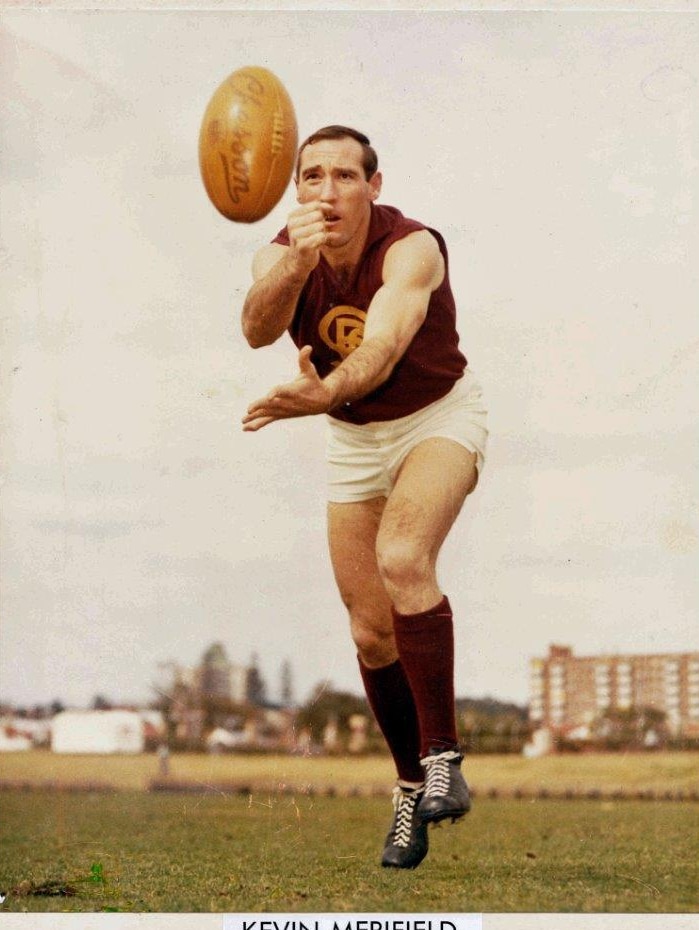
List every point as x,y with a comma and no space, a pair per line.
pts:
375,642
403,562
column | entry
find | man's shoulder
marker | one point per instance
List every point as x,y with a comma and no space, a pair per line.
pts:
390,227
390,224
387,219
416,258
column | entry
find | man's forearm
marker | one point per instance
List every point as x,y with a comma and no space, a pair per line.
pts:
271,302
361,372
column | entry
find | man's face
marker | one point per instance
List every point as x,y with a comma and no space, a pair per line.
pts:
331,171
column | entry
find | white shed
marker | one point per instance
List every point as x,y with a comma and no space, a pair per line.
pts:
98,731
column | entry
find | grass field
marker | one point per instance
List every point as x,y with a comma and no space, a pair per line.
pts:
134,851
227,851
634,771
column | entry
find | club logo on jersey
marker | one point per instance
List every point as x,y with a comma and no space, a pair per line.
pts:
342,330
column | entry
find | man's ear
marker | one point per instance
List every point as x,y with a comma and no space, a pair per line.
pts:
375,185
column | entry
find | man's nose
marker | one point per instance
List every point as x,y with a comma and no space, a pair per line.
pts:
327,189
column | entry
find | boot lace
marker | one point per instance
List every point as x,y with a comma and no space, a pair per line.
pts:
404,804
438,773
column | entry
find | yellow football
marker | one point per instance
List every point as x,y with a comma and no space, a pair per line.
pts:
247,144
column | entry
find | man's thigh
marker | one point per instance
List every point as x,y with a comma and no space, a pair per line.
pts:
434,481
352,529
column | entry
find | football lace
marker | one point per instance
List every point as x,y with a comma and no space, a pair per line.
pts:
278,133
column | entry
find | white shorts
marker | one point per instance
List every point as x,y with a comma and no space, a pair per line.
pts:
363,461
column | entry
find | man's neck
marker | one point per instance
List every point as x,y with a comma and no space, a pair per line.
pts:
345,259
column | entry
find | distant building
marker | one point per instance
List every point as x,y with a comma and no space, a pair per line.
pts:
567,692
97,731
214,677
23,733
218,696
11,741
218,677
215,672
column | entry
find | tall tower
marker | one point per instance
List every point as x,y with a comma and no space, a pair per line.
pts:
216,672
287,689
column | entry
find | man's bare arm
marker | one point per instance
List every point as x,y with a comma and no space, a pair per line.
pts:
279,273
271,301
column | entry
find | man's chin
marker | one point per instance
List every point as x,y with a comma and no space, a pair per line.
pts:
334,240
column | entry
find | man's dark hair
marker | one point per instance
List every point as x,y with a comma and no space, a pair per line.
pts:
370,160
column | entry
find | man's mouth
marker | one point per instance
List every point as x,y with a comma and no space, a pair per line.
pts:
332,218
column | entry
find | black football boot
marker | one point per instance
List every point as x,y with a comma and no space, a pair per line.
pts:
406,843
446,792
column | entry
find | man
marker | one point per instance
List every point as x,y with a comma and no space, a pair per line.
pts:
364,293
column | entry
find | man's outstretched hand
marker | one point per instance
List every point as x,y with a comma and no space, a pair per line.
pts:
305,396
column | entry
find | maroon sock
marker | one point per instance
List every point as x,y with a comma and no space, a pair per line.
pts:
425,643
391,700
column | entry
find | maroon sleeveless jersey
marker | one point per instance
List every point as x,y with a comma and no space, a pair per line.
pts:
330,317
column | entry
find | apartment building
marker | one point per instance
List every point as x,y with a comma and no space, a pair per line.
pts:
567,692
